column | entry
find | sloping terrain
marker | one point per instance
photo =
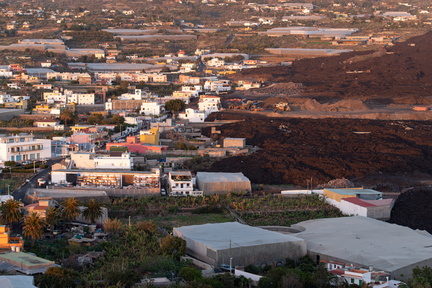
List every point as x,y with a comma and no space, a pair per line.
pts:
293,150
400,71
413,209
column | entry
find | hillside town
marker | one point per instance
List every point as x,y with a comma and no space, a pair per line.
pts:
215,144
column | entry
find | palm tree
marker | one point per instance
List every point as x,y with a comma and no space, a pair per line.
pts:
33,227
11,211
52,217
70,209
92,211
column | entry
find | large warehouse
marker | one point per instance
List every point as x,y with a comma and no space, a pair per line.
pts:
215,244
367,242
221,182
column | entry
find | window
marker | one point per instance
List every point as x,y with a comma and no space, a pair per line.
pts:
352,281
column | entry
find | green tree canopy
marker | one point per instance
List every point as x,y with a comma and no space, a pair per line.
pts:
92,211
33,226
70,209
175,105
11,211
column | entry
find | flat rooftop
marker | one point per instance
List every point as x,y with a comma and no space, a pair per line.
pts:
366,241
221,177
221,235
353,191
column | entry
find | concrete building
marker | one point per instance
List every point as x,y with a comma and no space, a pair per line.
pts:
26,263
219,182
152,108
7,242
364,194
88,160
222,243
234,142
24,147
109,179
365,242
209,104
180,183
150,136
360,202
193,115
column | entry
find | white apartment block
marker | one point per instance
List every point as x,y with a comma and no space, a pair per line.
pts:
130,77
152,108
209,104
81,98
23,147
69,97
66,76
180,183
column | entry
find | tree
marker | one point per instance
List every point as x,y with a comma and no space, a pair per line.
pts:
117,119
52,217
33,227
70,209
56,277
189,274
92,211
175,105
112,225
11,211
95,118
173,246
10,163
67,116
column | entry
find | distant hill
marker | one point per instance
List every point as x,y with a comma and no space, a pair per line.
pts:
404,69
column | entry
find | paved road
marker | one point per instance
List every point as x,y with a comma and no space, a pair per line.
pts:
19,194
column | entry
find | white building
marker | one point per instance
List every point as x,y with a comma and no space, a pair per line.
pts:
88,160
180,183
6,98
194,90
193,115
136,95
152,108
81,98
23,147
215,62
217,86
209,104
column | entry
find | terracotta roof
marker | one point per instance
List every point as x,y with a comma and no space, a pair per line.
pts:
358,201
337,272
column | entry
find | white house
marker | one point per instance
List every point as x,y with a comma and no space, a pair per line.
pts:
193,115
209,104
194,90
217,86
46,123
215,62
24,147
152,108
6,98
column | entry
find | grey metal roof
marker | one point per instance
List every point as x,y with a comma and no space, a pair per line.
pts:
366,241
221,235
221,177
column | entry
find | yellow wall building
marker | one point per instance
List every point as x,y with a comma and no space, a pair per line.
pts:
150,136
